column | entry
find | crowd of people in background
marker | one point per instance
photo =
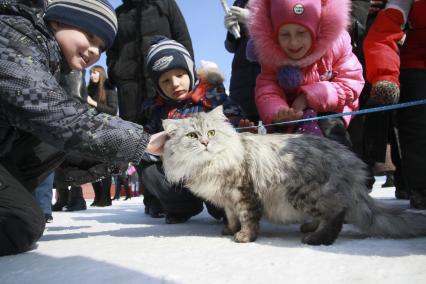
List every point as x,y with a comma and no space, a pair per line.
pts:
292,59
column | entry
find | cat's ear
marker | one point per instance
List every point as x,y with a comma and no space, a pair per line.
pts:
170,126
217,113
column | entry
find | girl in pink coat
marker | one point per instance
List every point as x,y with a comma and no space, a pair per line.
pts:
308,67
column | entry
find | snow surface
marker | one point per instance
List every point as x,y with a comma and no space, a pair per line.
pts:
120,244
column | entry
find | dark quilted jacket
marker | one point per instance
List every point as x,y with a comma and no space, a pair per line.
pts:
35,112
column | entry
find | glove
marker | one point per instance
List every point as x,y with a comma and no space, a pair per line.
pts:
230,20
242,14
383,93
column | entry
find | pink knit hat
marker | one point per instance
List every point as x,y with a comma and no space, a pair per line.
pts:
306,13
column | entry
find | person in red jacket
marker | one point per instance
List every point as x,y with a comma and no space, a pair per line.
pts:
395,55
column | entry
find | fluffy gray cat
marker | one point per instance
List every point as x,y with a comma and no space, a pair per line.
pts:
287,178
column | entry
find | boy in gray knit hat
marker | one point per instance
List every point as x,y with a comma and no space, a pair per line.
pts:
40,122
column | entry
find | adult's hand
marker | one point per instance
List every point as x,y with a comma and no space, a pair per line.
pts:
241,14
230,20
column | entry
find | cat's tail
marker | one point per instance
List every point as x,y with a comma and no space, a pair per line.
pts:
378,219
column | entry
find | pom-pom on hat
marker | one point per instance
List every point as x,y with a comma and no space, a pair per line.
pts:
93,16
166,54
306,13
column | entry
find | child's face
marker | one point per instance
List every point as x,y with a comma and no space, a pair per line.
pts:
175,84
94,76
295,40
81,49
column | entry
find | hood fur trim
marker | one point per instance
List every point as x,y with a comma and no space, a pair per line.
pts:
335,17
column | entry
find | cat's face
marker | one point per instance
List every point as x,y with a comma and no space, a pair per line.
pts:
196,140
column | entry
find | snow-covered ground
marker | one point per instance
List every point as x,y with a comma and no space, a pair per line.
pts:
120,244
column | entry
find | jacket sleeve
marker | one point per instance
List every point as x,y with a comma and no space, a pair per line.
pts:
269,95
35,103
381,46
111,107
178,27
345,85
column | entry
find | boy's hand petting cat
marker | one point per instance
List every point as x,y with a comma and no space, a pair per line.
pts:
247,123
156,143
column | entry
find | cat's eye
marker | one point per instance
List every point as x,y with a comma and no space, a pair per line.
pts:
192,135
211,133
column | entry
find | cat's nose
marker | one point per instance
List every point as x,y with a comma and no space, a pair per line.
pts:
204,141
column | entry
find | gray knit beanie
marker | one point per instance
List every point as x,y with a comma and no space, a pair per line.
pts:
166,54
93,16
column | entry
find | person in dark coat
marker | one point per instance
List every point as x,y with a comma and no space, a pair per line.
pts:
138,22
395,52
40,122
244,72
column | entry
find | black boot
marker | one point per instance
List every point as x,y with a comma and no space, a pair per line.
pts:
389,180
214,211
177,218
105,193
128,192
97,196
117,193
418,200
76,201
62,200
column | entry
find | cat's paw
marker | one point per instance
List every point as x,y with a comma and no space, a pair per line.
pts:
245,237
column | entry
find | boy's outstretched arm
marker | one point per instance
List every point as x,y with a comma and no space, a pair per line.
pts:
32,100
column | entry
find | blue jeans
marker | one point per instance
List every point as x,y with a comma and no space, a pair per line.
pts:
43,194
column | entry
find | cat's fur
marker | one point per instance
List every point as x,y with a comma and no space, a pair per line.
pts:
284,177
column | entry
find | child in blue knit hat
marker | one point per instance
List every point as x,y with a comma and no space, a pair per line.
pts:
40,122
182,92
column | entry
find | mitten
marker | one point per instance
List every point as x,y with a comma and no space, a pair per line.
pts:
383,93
309,127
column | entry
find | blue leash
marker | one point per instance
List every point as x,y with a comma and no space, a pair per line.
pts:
335,115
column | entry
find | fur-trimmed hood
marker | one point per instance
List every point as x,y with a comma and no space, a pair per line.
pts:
334,19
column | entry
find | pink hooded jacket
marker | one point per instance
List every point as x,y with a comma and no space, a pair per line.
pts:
332,74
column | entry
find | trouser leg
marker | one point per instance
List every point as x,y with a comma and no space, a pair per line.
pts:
175,199
412,135
117,188
21,220
43,194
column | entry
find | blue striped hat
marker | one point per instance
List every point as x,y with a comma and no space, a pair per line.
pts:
166,54
93,16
